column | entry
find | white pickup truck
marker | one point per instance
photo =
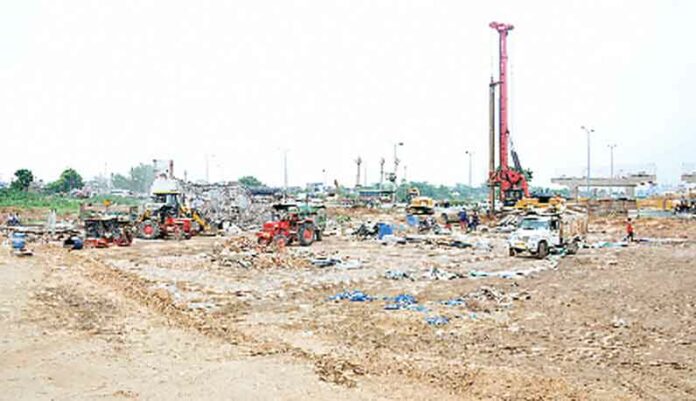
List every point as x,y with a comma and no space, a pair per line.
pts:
539,234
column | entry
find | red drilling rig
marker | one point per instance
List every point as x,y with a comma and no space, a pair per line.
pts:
512,181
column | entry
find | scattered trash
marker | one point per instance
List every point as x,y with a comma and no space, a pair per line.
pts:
606,244
397,275
325,262
441,274
352,296
436,320
393,239
405,302
328,262
453,302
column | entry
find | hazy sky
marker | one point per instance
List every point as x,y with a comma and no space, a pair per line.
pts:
121,82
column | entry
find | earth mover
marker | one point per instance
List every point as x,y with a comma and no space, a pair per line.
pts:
165,216
539,235
291,223
419,205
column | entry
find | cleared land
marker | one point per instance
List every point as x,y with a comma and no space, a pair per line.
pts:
193,320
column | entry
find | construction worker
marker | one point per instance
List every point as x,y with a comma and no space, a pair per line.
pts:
629,230
474,221
463,220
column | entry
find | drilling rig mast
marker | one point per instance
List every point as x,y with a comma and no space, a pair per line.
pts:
511,181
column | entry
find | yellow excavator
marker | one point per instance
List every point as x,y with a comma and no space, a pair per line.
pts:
418,204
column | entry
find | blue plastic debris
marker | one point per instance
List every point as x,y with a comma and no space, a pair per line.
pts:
453,302
352,296
436,320
405,302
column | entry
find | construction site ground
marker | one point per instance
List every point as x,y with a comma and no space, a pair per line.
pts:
166,320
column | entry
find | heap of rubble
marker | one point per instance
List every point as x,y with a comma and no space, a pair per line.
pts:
225,204
244,252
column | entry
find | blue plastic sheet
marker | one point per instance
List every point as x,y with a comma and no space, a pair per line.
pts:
352,296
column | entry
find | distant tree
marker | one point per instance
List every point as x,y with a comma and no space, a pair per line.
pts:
69,179
250,181
139,179
23,178
142,177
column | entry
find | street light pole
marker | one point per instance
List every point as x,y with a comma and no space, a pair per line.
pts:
396,159
588,131
611,150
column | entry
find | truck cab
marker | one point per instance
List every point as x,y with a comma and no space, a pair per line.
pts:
538,235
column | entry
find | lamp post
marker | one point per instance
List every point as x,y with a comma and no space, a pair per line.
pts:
588,131
611,158
396,159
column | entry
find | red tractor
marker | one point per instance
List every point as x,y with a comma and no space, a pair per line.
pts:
288,226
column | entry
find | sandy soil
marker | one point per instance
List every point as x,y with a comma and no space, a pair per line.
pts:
174,320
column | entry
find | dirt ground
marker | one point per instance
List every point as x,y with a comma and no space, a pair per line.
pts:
183,320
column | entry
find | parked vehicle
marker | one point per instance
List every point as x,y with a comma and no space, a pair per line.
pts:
539,235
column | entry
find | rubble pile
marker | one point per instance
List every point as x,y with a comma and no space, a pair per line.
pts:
244,252
225,204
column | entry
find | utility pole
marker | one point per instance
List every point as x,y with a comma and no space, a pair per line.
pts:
285,170
470,154
405,179
611,153
381,172
396,159
358,162
588,131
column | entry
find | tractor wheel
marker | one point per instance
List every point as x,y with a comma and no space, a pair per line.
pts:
125,238
148,229
264,241
306,234
543,250
280,240
318,234
512,252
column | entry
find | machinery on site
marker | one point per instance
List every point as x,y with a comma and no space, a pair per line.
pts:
512,181
541,201
420,205
105,231
540,234
106,224
165,216
292,223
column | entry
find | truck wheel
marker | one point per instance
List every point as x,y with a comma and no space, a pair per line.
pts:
543,250
306,234
148,229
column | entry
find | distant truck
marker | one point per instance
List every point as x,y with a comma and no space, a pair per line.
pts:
540,234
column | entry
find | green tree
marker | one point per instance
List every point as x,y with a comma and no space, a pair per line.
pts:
250,181
23,178
69,179
139,179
